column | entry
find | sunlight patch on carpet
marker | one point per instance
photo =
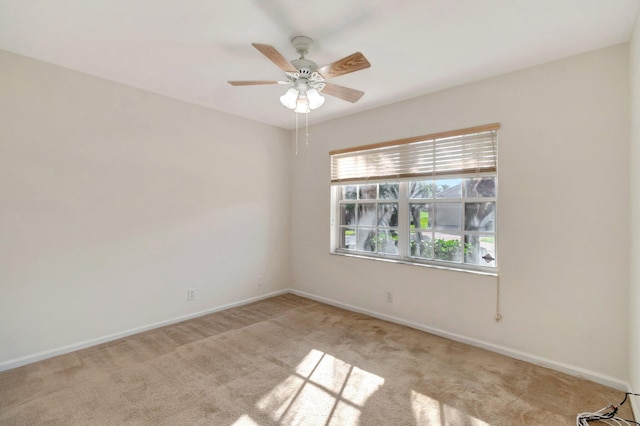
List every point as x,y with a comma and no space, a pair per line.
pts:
430,411
323,389
245,420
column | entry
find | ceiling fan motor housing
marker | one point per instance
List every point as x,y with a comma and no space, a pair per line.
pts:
304,66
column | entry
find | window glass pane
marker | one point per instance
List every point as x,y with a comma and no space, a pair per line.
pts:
347,214
388,214
448,188
480,250
420,215
479,216
389,191
447,247
348,238
368,192
348,192
480,187
420,245
421,189
366,239
448,216
447,220
387,242
367,214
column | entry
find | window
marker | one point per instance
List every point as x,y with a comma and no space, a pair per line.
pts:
369,217
430,199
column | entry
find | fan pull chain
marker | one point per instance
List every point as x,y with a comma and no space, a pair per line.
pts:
296,133
306,130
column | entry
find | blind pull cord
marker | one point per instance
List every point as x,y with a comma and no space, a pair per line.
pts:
498,314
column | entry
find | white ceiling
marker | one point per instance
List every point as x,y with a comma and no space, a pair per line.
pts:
188,49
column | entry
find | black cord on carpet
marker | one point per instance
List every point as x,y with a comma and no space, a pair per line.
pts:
606,415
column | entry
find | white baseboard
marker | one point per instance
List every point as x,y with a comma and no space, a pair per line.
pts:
19,362
523,356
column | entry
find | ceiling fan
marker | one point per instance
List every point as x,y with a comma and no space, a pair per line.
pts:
307,79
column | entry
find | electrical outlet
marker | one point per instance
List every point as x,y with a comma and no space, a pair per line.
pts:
389,297
191,294
260,281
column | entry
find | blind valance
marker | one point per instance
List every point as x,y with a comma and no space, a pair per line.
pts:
471,150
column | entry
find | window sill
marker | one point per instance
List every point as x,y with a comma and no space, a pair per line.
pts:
419,264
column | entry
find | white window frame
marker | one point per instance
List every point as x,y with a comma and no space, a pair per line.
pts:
403,228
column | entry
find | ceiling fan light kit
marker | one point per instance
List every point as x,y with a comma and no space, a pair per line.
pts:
307,79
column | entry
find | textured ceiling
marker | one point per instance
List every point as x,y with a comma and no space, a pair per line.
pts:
188,49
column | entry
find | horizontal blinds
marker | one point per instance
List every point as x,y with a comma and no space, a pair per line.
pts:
465,151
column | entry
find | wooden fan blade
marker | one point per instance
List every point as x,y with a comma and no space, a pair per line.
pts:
344,93
351,63
254,82
275,57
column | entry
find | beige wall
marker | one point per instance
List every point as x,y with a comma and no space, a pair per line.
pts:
114,201
634,354
563,217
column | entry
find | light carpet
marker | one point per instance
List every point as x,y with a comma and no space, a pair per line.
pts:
292,361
